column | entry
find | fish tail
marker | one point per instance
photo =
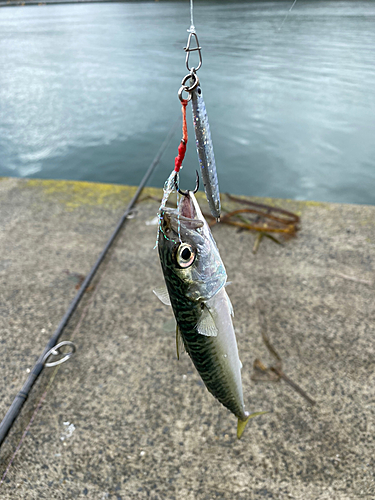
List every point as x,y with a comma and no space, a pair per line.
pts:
242,423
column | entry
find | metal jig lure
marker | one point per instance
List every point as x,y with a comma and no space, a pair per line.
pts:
203,139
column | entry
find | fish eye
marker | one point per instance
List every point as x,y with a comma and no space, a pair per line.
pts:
185,255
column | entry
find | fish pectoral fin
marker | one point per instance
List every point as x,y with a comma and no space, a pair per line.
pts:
162,294
206,325
179,342
242,423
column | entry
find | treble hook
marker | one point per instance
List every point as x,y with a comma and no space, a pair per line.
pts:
186,193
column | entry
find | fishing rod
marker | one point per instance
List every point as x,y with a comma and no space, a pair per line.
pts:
51,347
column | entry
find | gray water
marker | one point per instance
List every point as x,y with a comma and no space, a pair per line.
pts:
89,92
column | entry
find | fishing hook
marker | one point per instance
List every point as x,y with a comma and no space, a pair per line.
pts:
186,193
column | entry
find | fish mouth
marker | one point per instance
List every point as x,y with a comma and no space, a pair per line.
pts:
186,206
188,215
189,208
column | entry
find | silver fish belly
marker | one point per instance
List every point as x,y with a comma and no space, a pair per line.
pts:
195,278
205,152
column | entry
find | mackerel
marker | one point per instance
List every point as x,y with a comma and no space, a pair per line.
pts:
195,279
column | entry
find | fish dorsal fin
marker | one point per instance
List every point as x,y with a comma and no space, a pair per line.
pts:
206,325
229,304
162,294
179,342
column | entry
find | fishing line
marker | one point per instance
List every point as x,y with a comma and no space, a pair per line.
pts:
23,394
173,179
287,14
169,184
192,27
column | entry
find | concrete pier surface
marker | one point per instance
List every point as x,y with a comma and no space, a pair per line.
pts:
123,418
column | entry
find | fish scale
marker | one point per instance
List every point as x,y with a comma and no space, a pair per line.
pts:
203,353
200,348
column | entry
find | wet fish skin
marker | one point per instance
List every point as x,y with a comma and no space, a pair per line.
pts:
205,151
198,297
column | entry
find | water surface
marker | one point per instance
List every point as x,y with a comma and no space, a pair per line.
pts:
89,92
